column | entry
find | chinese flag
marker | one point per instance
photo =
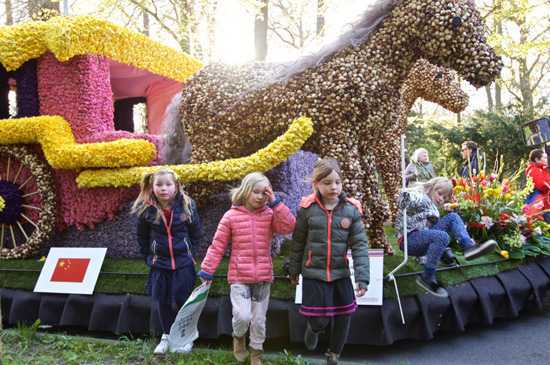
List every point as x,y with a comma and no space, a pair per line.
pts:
70,270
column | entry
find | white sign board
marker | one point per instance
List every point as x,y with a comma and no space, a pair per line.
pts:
184,329
373,296
70,270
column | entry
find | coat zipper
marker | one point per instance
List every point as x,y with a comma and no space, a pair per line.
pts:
329,222
189,250
169,236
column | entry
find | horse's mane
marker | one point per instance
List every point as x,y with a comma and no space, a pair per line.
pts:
176,148
359,32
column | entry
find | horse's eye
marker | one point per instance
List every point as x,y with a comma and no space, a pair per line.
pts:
439,75
457,21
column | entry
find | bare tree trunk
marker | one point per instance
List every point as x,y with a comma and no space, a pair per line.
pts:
9,15
525,85
498,95
320,18
193,21
498,88
260,34
184,41
211,26
489,98
32,7
145,23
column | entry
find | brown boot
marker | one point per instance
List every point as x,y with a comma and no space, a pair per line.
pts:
332,358
256,356
239,347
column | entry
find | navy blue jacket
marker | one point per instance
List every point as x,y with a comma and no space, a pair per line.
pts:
173,248
476,161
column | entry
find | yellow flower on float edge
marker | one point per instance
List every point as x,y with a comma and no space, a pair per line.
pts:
67,37
233,169
504,254
2,204
61,150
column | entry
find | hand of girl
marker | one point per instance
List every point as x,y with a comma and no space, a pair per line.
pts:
294,281
359,292
203,280
270,194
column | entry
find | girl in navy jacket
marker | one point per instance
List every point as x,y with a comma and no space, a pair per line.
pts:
168,233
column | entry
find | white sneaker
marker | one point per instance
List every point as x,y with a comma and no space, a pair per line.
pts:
162,347
185,349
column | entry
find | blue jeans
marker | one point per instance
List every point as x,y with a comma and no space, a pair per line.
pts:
432,242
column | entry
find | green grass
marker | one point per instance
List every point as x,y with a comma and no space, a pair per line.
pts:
119,275
26,344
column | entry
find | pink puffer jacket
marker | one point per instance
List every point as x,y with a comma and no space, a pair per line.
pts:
251,235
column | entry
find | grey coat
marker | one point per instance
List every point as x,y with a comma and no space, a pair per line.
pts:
421,212
425,172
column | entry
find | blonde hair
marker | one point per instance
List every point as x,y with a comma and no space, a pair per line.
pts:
147,198
240,194
417,154
323,168
439,184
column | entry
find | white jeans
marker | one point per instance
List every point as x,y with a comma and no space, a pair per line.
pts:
250,302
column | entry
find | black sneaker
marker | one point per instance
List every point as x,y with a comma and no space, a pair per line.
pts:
433,287
310,338
482,249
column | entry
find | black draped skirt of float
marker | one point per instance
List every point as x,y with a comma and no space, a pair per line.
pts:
479,301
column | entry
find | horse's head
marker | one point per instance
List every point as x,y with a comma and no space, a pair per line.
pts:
436,84
450,33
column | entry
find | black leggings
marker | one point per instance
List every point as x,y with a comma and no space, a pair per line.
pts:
339,333
166,317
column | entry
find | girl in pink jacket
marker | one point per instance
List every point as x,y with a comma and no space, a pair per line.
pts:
250,225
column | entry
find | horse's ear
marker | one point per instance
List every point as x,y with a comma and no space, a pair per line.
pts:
457,21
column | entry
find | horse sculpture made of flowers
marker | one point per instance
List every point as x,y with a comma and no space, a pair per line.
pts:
350,89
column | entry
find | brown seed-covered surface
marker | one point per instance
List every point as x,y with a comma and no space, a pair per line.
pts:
350,89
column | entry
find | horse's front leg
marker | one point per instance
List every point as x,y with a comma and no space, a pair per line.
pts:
388,163
372,201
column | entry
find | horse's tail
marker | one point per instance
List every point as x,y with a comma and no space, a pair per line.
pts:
176,148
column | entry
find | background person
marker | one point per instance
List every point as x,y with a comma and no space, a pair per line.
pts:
420,168
474,160
537,169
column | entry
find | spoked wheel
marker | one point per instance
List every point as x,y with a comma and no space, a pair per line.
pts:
27,202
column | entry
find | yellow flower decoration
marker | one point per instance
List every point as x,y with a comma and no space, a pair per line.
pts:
2,204
504,254
62,152
67,37
263,160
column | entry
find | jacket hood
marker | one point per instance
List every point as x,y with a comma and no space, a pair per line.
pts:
533,165
242,208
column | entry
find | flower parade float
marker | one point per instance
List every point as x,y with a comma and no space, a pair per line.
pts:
82,168
350,89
